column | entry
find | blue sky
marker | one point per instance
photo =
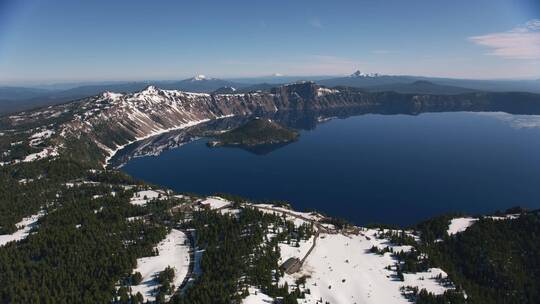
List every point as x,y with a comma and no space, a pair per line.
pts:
54,41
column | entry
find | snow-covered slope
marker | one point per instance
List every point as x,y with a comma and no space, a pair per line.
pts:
460,224
341,269
173,252
113,120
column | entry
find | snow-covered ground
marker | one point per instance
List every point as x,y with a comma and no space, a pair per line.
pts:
134,218
426,280
257,297
325,91
47,152
290,251
80,183
39,137
233,212
140,198
23,229
298,218
307,215
460,224
173,252
341,269
215,202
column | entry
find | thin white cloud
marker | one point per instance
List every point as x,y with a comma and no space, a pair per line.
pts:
522,42
533,24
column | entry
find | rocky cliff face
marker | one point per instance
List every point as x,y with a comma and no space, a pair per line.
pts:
113,120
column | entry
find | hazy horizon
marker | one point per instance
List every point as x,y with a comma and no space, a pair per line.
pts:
52,83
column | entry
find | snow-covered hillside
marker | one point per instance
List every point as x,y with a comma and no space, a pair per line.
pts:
340,266
173,252
113,120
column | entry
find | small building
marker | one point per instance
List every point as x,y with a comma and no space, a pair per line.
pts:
291,265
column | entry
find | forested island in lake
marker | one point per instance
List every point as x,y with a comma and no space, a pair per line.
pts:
254,133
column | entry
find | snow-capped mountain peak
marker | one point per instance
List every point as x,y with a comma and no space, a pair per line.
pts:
199,78
150,89
358,73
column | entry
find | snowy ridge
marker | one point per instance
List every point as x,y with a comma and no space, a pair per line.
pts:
153,111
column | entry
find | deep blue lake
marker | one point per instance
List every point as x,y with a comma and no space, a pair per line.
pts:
395,169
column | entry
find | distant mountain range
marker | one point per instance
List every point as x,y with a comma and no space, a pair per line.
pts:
420,87
14,99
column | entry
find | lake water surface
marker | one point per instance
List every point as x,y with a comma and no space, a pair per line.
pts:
395,169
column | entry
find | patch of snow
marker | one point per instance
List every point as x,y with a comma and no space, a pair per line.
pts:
359,74
290,251
112,96
134,218
215,202
23,229
39,137
257,297
140,198
297,217
325,91
233,212
427,280
47,152
460,224
199,78
173,252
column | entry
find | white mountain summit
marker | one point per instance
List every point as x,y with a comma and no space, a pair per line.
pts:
361,74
